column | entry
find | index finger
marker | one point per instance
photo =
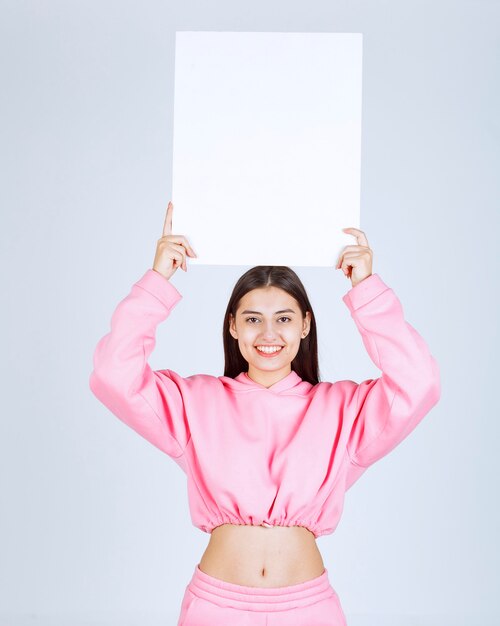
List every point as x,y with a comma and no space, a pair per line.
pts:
167,225
359,234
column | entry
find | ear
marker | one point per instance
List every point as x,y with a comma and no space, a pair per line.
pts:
306,326
232,329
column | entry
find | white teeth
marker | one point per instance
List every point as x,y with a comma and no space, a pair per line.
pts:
268,350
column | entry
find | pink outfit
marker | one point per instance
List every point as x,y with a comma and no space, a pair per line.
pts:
283,455
209,601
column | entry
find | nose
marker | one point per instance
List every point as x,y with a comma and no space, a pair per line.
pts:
269,331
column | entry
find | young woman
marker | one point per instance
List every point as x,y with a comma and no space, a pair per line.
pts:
268,450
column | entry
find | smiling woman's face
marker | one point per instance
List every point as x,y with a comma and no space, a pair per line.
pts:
269,316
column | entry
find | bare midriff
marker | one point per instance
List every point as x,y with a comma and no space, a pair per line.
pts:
262,556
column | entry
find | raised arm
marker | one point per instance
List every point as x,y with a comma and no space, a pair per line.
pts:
148,401
388,408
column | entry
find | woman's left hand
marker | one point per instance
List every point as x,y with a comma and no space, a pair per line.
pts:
356,261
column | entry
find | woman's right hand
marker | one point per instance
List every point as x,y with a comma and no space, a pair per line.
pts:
171,249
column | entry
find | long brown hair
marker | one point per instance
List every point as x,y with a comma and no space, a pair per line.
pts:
305,363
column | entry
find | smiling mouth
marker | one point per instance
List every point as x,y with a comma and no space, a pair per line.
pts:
269,353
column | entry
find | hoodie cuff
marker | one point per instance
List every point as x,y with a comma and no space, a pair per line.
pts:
160,287
366,290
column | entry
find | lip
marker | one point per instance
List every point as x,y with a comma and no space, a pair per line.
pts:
268,356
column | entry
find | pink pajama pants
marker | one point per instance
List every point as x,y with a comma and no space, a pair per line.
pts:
210,601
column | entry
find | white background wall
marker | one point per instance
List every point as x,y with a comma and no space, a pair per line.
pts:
94,523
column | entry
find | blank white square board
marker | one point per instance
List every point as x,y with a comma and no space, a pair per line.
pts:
267,146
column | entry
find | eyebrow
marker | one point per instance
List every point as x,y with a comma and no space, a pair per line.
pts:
259,313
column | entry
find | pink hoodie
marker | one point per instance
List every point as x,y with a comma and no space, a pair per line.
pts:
283,455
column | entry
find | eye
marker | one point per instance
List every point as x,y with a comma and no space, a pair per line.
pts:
284,317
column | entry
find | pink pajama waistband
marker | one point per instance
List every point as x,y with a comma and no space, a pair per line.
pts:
247,598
